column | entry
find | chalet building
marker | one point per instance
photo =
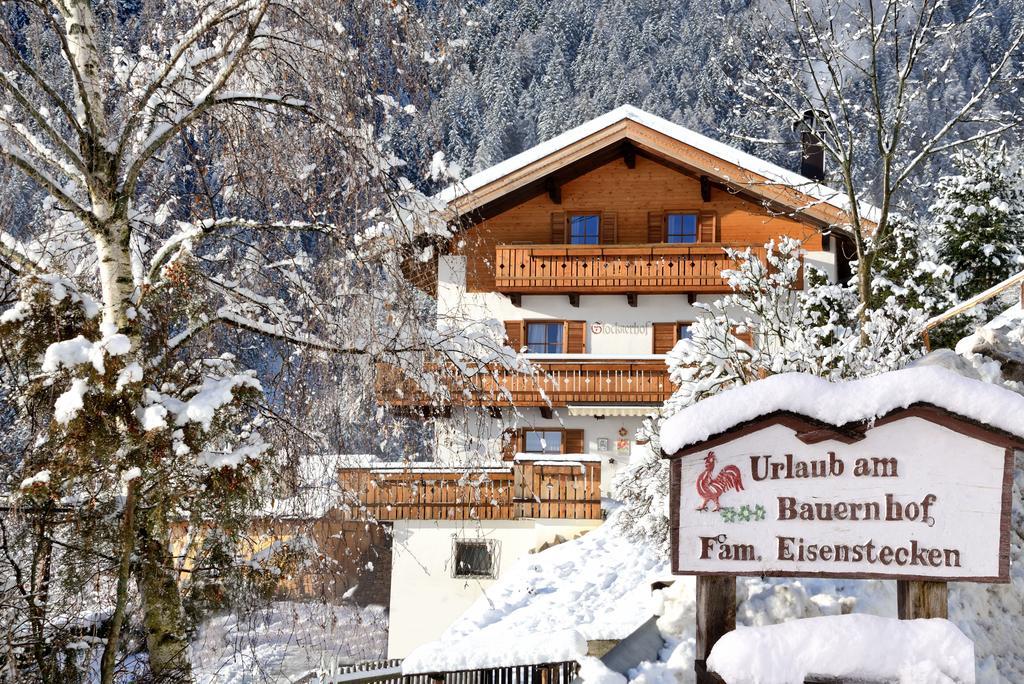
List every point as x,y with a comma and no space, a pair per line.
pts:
593,249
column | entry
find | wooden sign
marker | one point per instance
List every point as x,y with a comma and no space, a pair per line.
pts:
920,494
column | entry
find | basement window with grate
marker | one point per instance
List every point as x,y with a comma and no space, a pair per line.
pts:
476,558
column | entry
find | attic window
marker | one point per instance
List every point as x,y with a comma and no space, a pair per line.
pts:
584,229
475,558
681,228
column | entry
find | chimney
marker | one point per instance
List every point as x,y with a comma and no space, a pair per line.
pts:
812,152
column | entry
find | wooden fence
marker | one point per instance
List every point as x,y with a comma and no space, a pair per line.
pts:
391,671
523,490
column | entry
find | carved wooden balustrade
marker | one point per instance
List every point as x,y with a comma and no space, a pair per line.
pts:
615,269
560,382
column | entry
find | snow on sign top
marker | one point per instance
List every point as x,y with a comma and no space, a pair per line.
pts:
682,134
840,403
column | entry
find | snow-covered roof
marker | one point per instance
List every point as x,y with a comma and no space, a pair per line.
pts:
727,153
547,607
852,401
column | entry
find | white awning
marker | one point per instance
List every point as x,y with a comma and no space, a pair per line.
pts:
630,410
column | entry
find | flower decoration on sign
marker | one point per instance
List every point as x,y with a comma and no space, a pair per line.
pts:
731,514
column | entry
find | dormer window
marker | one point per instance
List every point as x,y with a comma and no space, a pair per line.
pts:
681,228
584,229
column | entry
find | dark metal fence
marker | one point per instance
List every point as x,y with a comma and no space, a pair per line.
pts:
389,671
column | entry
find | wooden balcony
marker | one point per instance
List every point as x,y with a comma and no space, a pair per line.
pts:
522,490
614,269
562,382
582,382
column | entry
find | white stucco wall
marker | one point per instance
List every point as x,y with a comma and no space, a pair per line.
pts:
613,326
425,597
474,438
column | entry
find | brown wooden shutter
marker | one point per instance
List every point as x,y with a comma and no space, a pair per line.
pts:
511,444
746,337
664,337
655,226
515,333
572,442
609,228
575,337
558,228
709,227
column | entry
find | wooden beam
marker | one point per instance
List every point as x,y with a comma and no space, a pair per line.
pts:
631,298
494,411
826,242
916,599
547,413
574,300
629,155
716,616
691,298
554,189
516,299
705,188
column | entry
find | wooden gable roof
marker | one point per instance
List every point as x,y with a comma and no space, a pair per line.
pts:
626,132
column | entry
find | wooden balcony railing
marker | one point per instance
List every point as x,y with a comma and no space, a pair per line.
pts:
582,382
523,490
561,382
614,269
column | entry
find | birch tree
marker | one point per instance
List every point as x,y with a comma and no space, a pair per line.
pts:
204,195
880,79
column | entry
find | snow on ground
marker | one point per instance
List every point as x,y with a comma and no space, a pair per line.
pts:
760,602
550,604
846,646
839,403
285,640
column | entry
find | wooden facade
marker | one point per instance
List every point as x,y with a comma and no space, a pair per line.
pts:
522,249
526,489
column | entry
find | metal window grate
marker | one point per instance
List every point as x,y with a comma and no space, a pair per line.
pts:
475,558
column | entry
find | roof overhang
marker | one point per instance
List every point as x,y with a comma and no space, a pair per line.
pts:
594,410
626,131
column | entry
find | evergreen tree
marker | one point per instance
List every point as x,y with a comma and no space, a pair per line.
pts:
979,221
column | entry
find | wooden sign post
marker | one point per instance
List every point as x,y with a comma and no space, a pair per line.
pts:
920,495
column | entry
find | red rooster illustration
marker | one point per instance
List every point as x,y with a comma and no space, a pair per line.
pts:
710,487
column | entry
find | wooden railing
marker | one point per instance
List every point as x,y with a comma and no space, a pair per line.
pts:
523,490
615,269
597,381
582,382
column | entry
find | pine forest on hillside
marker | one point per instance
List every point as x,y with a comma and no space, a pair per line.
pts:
230,234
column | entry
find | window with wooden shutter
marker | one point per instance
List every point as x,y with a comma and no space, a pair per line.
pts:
575,337
664,337
511,444
655,226
667,334
746,336
514,334
573,442
558,228
609,228
709,227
